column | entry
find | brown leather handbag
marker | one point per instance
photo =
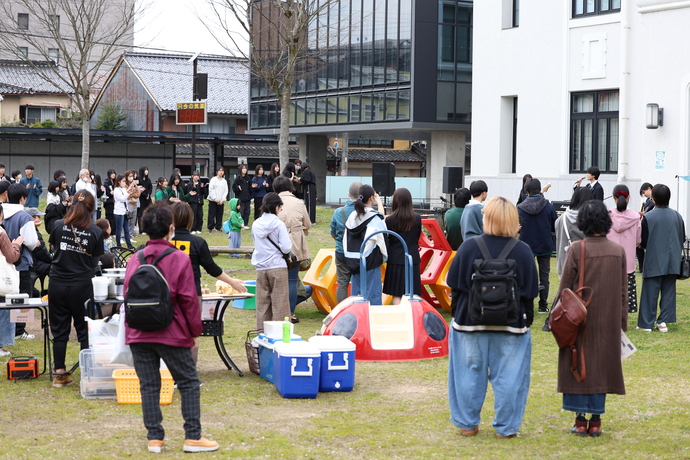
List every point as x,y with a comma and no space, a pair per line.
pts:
568,319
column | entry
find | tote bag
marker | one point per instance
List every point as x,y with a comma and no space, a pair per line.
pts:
9,277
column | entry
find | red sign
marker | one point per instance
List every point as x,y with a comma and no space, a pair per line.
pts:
191,113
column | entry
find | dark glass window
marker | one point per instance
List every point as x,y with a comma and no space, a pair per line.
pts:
593,7
594,131
23,21
356,69
453,101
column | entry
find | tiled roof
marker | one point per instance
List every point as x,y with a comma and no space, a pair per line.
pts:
271,151
168,78
253,151
17,77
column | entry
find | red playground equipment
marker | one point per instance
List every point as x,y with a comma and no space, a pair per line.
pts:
410,331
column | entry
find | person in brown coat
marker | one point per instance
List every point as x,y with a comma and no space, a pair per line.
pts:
607,314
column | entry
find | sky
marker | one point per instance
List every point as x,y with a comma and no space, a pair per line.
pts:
175,25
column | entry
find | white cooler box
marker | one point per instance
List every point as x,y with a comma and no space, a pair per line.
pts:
296,369
337,362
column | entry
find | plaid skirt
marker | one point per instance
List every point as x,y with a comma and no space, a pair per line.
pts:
632,293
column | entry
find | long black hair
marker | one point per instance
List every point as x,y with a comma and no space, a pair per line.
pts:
271,203
621,194
366,191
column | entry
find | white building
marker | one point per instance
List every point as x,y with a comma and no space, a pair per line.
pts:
561,86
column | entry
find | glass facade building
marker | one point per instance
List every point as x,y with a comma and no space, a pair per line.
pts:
377,62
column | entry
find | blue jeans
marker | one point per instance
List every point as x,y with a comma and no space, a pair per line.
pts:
6,328
479,357
120,223
293,276
373,287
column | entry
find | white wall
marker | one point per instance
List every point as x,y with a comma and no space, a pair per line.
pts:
548,57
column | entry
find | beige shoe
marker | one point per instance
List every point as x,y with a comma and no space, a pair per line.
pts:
61,380
156,445
199,445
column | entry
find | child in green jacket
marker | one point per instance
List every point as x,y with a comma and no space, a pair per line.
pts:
236,224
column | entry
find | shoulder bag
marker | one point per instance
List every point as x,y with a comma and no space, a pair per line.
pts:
685,256
290,257
568,320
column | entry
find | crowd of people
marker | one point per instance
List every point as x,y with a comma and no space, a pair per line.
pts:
613,239
78,218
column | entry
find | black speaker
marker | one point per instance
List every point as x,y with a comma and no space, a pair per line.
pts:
453,178
383,178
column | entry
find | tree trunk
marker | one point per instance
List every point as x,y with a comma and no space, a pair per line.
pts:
283,153
85,141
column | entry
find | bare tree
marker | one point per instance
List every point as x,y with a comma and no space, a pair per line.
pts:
83,37
274,41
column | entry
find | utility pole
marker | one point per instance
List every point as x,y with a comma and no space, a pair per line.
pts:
200,91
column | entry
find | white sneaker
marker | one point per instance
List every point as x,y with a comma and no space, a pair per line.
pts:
662,327
4,353
643,329
26,336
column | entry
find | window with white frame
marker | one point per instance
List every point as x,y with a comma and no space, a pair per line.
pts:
23,51
54,55
40,114
594,131
594,7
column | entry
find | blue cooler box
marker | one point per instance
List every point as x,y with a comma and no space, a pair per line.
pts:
266,355
297,367
337,362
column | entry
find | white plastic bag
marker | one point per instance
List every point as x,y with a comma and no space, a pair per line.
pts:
122,353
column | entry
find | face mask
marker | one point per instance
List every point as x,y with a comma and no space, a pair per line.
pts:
146,173
298,168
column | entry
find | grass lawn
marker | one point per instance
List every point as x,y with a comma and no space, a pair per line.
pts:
396,410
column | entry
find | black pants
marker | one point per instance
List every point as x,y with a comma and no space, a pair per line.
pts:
215,216
25,287
258,201
544,263
198,210
245,208
66,304
640,257
109,208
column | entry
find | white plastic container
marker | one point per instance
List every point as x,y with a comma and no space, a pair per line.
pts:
96,376
274,329
100,287
337,362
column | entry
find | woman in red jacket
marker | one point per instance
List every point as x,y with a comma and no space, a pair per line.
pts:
172,344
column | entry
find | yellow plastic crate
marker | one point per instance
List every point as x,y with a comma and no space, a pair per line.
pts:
127,386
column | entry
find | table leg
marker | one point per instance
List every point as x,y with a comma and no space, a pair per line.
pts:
220,346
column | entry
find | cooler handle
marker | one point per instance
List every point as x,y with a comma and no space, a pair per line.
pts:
344,367
308,373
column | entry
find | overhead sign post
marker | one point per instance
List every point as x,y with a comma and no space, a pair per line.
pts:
191,113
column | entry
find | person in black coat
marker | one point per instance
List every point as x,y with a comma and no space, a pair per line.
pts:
197,201
243,190
146,188
42,257
109,204
594,185
309,190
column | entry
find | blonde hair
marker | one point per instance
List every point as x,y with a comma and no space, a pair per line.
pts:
501,217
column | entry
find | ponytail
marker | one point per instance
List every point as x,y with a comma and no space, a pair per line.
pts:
366,191
621,194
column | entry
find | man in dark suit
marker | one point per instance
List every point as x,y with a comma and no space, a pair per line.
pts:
594,185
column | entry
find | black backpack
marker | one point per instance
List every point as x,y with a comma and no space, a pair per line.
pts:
494,294
148,306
